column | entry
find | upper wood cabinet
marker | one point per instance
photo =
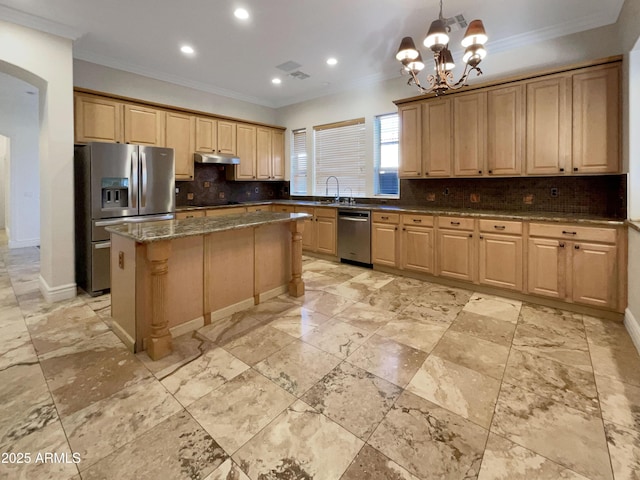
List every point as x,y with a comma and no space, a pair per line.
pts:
410,141
548,125
596,120
470,133
270,154
97,119
215,136
505,130
143,125
277,154
554,124
246,151
180,133
436,137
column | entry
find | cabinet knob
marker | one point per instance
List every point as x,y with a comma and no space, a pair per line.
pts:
426,173
418,173
575,169
577,247
490,171
471,235
562,169
395,228
480,172
561,245
404,229
481,237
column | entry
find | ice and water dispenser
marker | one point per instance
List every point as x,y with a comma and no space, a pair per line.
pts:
115,193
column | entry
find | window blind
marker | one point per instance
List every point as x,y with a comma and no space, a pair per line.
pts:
299,162
386,137
340,151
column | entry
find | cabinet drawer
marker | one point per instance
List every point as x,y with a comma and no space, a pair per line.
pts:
308,210
284,208
418,220
456,223
216,212
573,232
189,214
326,212
500,226
259,208
380,217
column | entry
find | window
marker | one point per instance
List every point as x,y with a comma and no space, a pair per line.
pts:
299,162
386,155
340,151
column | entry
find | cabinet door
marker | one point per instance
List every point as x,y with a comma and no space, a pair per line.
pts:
436,137
410,141
226,137
596,120
469,145
384,244
548,126
547,267
277,154
263,156
595,276
143,126
180,137
501,261
455,254
505,130
246,150
417,249
308,234
206,134
326,235
97,120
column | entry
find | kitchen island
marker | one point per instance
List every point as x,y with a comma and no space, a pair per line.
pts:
174,276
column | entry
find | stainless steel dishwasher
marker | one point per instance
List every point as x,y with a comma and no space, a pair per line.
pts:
354,235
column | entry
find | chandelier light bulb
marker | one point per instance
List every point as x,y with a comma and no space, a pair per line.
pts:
437,37
475,34
407,50
415,65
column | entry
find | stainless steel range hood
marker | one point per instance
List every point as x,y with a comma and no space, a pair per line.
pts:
217,158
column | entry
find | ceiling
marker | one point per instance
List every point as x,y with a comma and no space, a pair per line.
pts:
238,59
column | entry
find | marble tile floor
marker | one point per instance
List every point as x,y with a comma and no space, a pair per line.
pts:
369,376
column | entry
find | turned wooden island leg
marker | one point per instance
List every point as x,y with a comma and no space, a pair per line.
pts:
296,285
159,344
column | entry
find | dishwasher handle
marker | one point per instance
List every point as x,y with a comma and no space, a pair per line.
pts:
354,219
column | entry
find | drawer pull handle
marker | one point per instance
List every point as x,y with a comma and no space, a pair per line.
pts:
384,218
564,232
417,220
499,227
455,223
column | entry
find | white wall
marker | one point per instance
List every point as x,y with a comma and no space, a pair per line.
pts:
109,80
19,121
45,61
4,179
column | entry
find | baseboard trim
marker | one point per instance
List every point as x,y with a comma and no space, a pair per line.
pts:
124,336
187,327
33,242
56,294
633,327
231,309
276,292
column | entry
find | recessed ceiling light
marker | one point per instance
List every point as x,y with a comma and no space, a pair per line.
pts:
276,81
187,50
241,13
332,61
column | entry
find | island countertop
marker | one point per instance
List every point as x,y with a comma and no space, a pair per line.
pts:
149,232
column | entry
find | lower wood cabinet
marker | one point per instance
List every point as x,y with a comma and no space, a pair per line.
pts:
580,271
417,240
320,231
456,254
385,240
500,261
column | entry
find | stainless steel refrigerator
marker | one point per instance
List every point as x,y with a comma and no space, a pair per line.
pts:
116,183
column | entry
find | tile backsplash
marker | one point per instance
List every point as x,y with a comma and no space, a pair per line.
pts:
210,187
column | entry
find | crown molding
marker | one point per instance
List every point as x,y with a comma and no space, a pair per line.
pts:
38,23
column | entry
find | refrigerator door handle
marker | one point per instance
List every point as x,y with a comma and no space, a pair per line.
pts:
143,200
102,245
133,191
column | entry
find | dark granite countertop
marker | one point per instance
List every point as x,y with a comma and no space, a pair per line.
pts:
502,214
148,232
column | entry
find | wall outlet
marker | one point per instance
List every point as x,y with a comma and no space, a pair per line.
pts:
256,190
190,196
431,197
207,184
554,192
446,191
177,189
528,199
475,198
221,195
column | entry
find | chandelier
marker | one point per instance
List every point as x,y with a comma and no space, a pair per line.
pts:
437,40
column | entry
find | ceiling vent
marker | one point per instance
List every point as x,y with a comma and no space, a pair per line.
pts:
456,23
288,66
299,75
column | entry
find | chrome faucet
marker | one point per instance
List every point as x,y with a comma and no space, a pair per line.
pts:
326,192
350,200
